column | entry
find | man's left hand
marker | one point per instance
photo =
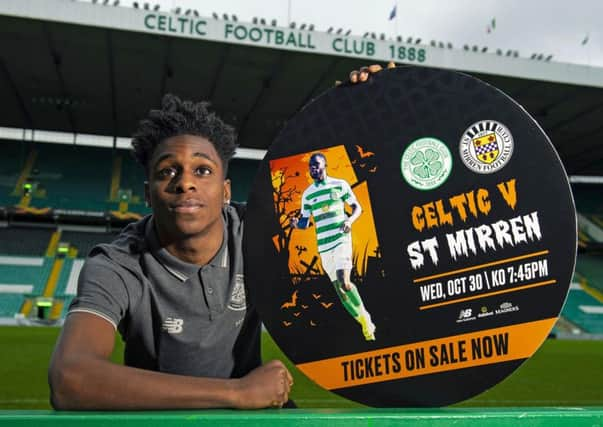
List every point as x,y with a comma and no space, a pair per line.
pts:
347,226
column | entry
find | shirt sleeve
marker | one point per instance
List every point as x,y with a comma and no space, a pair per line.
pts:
348,195
101,290
306,207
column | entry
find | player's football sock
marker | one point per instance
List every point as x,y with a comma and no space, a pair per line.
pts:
346,301
354,296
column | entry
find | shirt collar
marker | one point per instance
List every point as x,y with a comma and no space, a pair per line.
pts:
178,268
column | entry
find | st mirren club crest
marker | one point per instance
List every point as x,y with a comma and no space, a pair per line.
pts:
486,146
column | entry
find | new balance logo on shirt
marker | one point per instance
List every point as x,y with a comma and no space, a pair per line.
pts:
172,325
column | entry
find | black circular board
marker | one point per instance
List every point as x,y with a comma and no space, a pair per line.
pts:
462,255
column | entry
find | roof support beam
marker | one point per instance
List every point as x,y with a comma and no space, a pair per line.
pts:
319,83
55,56
266,84
11,82
111,75
575,117
167,72
218,74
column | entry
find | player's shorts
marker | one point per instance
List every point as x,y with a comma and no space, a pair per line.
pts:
338,258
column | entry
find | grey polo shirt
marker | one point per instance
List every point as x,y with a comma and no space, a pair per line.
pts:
174,317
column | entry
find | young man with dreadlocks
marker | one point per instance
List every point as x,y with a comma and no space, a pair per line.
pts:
172,285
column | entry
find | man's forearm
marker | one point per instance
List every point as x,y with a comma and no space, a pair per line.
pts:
90,383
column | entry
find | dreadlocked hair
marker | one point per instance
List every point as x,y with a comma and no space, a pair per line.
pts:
177,117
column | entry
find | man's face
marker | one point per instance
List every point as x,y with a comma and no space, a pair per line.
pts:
186,187
318,168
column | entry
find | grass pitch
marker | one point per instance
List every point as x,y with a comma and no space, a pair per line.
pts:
561,373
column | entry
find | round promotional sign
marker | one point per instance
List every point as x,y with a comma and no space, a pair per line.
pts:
410,240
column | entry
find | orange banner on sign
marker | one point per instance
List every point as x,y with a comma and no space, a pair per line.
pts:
429,357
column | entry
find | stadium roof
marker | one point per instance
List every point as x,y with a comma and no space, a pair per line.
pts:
87,68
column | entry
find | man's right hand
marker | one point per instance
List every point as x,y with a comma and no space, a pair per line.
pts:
267,386
362,75
293,222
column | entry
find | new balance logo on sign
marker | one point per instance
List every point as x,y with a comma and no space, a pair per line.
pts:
172,325
465,313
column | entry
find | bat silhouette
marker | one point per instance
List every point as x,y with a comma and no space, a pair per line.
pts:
287,324
297,314
362,165
292,303
316,296
305,307
354,161
364,154
326,304
300,249
372,170
312,323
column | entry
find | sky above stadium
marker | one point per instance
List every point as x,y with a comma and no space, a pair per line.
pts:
570,31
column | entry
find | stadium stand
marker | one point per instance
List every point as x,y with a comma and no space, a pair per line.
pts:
25,241
10,304
583,309
11,161
84,241
242,174
86,179
131,180
71,177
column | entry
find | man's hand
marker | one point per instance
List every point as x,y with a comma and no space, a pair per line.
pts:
293,222
346,227
267,386
362,75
